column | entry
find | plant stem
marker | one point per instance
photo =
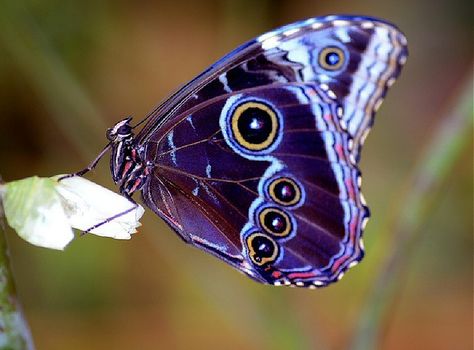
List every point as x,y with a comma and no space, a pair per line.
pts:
451,137
14,331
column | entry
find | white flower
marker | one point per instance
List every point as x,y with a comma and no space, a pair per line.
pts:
44,211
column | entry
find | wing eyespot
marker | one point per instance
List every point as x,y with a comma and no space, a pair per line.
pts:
331,58
254,125
275,221
262,249
285,191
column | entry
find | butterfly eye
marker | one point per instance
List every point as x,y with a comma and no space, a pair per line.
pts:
262,249
120,130
124,130
331,58
284,191
275,221
254,125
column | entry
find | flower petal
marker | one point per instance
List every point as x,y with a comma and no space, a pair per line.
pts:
87,204
34,210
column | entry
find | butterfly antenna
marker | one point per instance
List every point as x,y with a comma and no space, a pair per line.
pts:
142,121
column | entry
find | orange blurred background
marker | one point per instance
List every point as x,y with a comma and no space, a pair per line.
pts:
70,69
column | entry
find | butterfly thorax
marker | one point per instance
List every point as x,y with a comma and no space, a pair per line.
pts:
126,163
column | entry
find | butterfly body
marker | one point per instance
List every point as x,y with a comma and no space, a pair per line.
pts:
256,160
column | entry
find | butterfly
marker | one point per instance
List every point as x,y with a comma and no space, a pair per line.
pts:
256,160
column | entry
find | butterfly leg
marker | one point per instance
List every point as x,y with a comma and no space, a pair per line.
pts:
125,212
90,167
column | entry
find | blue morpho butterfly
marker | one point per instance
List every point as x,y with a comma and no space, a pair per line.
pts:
256,160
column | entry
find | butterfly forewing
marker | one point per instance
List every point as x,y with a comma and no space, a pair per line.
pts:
255,160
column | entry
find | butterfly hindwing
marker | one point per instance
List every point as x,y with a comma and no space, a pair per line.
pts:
255,160
223,187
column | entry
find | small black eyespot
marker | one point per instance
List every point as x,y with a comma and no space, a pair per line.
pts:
275,221
262,249
284,191
331,58
262,246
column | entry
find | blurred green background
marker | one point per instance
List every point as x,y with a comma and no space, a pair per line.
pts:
70,69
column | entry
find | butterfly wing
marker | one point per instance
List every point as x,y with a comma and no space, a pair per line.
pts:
255,160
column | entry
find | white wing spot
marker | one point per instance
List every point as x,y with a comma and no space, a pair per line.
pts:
195,190
172,146
343,124
361,244
353,263
190,121
271,43
352,159
309,21
343,35
367,25
340,111
265,36
340,23
224,82
362,200
209,192
331,94
290,32
364,224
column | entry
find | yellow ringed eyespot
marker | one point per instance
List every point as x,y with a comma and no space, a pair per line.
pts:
331,58
254,125
275,221
284,191
262,248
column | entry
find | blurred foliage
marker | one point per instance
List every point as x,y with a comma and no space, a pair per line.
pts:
68,69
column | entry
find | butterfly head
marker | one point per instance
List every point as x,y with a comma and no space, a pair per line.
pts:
120,132
126,163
